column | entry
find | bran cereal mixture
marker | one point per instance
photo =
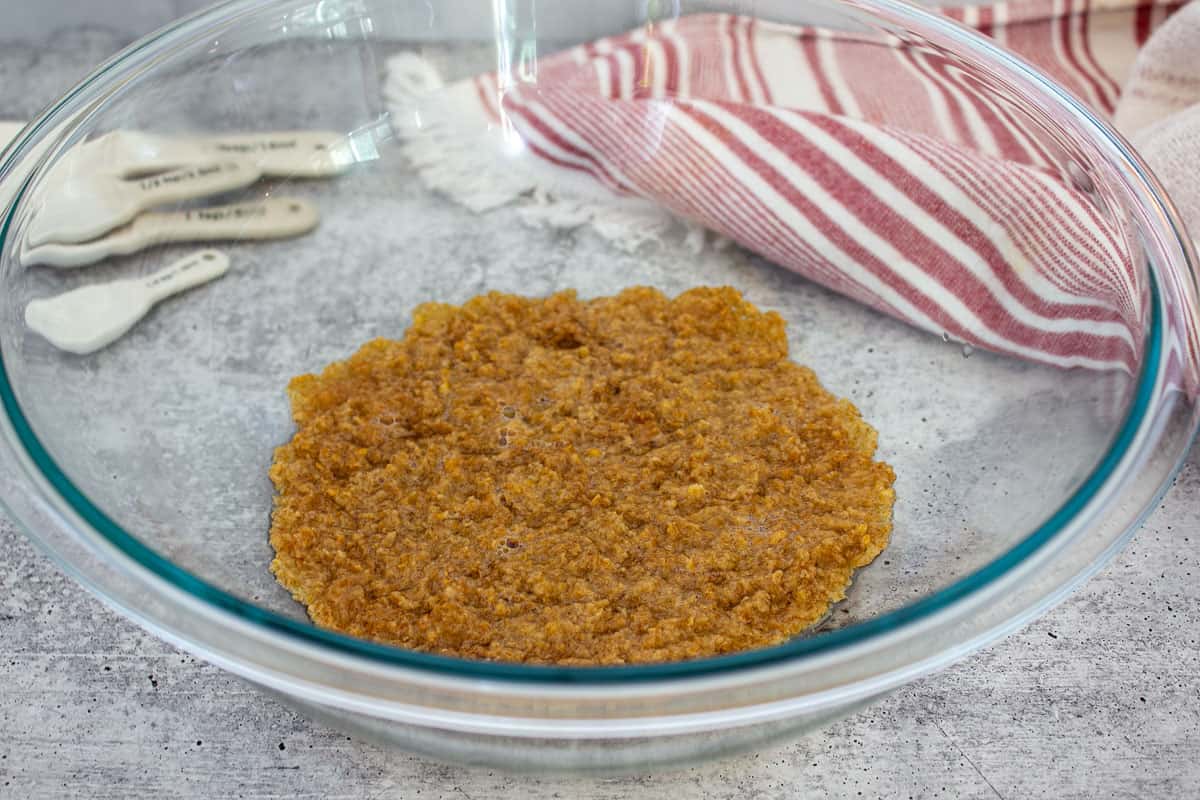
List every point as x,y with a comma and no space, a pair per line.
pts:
549,480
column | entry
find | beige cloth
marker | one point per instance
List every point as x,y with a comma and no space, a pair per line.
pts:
1159,110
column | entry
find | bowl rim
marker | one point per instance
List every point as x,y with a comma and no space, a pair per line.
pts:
98,524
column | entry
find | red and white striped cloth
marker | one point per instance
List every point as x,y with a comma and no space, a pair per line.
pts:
879,167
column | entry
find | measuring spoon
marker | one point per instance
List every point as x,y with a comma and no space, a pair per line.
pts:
276,218
83,207
86,319
286,154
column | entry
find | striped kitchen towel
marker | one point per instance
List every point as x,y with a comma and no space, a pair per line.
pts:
879,166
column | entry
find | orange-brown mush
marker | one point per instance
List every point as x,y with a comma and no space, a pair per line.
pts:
622,480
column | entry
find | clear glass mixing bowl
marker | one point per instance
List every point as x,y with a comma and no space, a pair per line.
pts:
142,469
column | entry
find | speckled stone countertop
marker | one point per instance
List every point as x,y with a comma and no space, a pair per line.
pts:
1098,699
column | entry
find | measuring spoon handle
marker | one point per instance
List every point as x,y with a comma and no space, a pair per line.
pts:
193,270
188,183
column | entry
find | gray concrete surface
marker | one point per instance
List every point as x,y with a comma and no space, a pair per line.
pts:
1101,698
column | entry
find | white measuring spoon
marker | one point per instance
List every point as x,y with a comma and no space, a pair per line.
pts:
276,218
86,319
82,208
287,154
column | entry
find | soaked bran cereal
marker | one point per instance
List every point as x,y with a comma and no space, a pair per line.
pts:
623,480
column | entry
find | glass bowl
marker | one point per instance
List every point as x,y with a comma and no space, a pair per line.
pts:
142,468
